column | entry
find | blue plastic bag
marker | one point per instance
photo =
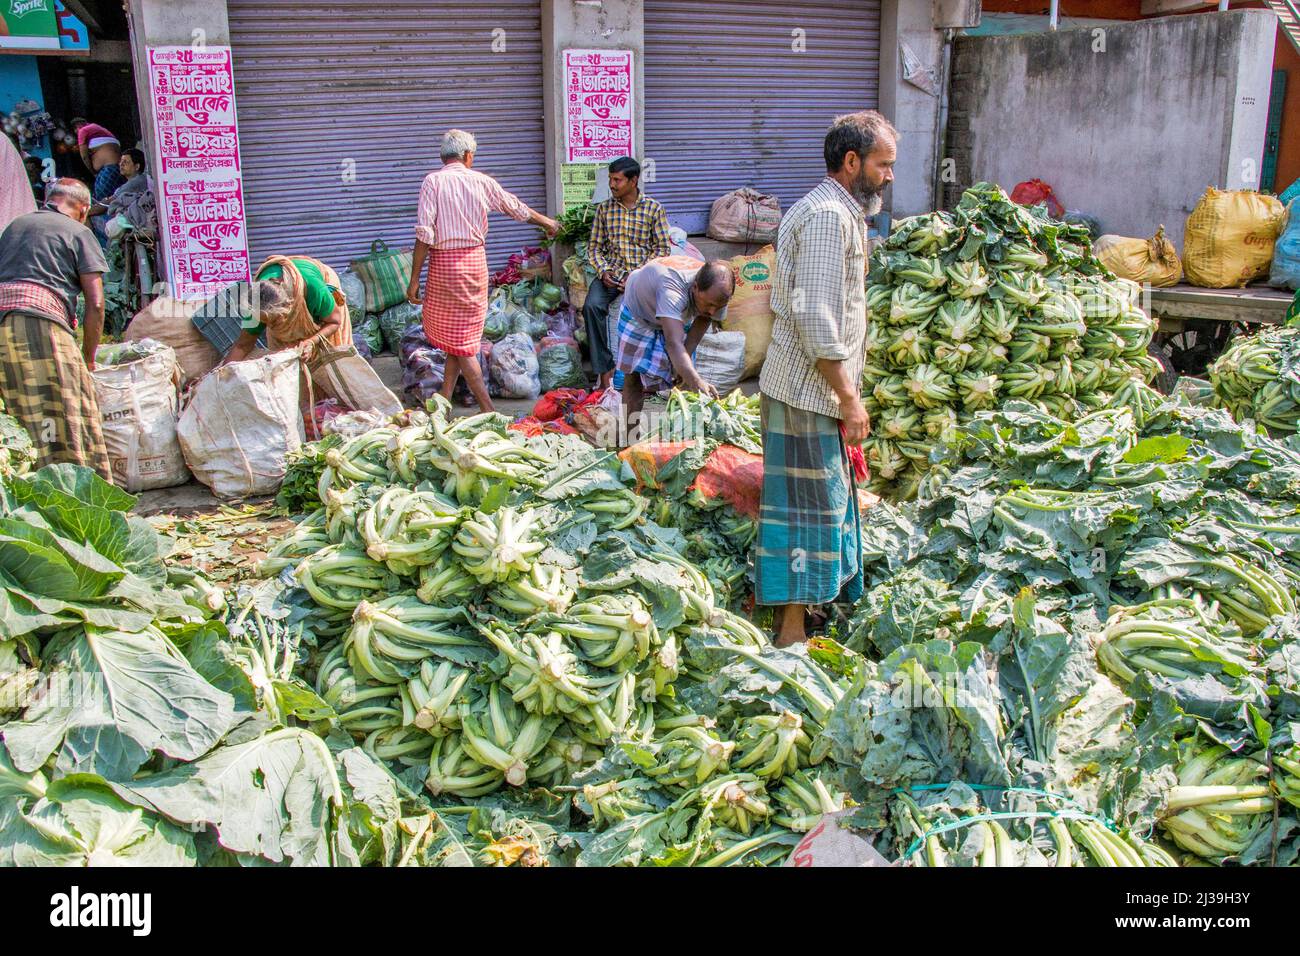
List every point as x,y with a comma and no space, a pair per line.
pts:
1285,271
1291,192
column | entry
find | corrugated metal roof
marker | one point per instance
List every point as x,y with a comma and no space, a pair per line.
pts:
332,86
729,102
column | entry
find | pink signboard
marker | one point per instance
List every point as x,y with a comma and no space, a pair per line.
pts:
200,185
598,99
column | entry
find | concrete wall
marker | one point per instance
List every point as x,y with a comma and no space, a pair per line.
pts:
586,25
1129,124
156,23
916,114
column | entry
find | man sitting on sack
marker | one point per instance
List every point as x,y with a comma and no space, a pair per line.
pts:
628,231
298,303
658,328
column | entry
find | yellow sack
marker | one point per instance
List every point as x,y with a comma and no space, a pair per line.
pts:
1153,260
1229,238
750,308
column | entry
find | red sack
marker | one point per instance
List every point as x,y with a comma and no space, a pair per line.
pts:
734,475
647,457
1033,191
531,426
558,403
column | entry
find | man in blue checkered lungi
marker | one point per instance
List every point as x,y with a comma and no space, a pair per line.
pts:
809,548
658,328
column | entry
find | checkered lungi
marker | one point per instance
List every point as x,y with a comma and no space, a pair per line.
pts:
809,532
642,349
46,386
456,300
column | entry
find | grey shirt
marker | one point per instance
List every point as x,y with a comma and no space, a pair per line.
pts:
49,249
660,290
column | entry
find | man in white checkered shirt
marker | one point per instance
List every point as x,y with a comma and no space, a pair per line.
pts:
809,549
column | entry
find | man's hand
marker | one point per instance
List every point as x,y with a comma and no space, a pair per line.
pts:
857,423
413,291
550,226
697,384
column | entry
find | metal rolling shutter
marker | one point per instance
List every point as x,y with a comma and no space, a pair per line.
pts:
320,83
729,104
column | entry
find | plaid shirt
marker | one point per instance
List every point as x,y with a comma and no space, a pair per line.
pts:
35,298
624,239
819,299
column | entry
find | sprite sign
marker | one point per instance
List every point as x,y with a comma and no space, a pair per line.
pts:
28,25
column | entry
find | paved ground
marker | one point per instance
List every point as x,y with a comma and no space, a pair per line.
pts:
194,498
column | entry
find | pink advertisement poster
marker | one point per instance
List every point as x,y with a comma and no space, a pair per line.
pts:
200,186
598,105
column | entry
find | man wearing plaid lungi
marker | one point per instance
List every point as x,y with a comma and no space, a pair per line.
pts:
667,307
809,549
48,258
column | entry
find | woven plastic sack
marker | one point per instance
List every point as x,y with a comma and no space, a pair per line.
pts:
241,423
646,459
168,321
720,359
744,215
136,391
1229,238
750,308
1153,260
729,476
385,275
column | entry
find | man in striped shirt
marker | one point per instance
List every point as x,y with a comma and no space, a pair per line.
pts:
629,230
809,537
451,230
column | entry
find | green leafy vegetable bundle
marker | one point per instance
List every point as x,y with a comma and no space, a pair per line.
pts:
1097,610
496,615
1257,378
990,303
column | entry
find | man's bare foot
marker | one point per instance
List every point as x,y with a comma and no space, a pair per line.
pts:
790,628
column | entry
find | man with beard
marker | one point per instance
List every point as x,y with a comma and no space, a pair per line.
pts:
809,543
